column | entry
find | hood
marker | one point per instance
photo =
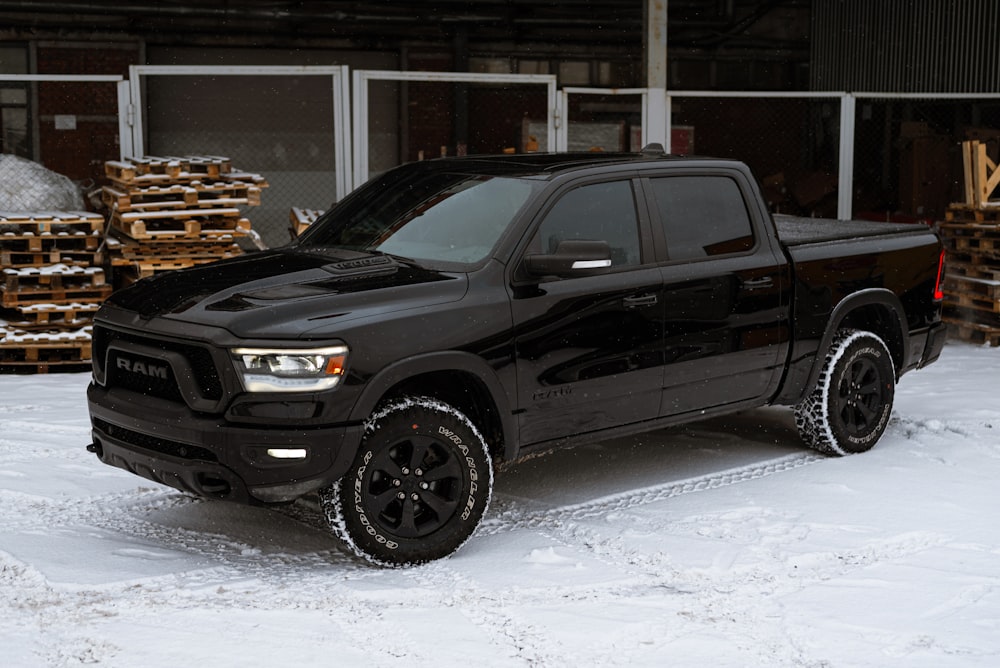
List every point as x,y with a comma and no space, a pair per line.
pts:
285,293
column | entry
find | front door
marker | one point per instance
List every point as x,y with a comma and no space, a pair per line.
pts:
589,348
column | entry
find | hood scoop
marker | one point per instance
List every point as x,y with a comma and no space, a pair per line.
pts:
362,267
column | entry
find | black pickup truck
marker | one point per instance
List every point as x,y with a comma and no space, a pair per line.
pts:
456,312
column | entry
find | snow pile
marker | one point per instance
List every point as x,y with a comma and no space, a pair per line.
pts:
27,186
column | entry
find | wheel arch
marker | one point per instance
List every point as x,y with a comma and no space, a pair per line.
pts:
460,379
875,310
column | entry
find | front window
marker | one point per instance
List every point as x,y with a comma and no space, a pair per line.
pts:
595,212
430,216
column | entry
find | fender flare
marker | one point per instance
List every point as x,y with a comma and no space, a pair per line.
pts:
397,372
849,304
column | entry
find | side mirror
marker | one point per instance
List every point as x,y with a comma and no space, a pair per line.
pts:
572,258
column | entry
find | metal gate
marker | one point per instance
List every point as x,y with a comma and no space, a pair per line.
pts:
404,116
603,119
289,124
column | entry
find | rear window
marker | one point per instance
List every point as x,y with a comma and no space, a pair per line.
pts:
702,216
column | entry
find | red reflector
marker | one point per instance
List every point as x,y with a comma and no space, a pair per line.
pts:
938,292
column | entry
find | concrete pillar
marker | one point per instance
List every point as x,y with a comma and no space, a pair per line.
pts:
655,48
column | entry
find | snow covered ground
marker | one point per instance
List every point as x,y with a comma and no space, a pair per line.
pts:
718,544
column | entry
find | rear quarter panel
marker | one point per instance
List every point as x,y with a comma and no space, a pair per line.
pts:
828,272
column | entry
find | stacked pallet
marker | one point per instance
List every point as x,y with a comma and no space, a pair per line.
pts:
51,285
170,213
299,220
971,235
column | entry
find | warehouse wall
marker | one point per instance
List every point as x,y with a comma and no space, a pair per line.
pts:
76,124
905,46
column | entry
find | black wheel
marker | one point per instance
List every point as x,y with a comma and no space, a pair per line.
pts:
418,487
850,407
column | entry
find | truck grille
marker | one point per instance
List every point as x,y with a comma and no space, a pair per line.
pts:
155,378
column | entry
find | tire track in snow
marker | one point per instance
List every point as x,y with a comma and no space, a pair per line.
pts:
514,518
739,598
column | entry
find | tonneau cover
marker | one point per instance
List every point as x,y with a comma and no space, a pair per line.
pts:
795,231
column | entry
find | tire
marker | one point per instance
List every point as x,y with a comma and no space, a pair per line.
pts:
418,488
849,409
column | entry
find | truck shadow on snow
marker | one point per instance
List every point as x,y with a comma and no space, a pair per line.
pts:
575,475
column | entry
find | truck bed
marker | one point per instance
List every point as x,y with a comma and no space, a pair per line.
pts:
799,231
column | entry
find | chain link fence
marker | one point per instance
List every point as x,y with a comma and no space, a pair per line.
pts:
790,143
906,149
604,121
908,153
415,116
280,126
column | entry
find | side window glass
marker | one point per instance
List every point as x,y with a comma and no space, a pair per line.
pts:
702,216
596,212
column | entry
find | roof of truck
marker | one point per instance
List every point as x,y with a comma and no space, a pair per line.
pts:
549,163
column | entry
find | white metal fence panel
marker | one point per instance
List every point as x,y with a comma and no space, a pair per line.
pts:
605,119
404,116
288,123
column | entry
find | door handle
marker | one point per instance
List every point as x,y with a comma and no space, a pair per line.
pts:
758,283
639,301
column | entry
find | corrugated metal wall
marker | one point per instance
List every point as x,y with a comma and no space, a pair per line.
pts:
906,46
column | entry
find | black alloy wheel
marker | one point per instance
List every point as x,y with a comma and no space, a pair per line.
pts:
849,409
418,487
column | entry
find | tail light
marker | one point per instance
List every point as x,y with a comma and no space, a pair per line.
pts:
938,292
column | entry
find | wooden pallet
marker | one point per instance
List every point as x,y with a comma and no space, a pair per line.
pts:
979,294
975,267
23,259
208,165
170,166
962,213
16,224
968,301
26,297
969,228
980,287
151,267
150,197
160,171
48,316
973,332
33,243
978,246
56,277
187,224
33,351
127,253
192,196
971,243
208,190
300,219
981,175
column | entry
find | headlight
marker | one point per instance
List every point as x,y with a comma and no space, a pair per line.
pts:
290,370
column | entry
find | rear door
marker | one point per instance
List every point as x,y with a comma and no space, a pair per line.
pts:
589,348
727,290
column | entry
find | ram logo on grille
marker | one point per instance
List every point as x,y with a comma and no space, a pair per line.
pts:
142,368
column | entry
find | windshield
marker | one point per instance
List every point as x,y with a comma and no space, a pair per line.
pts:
435,216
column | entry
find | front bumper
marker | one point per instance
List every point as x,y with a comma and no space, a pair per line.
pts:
168,443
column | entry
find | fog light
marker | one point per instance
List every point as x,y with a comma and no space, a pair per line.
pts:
287,453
